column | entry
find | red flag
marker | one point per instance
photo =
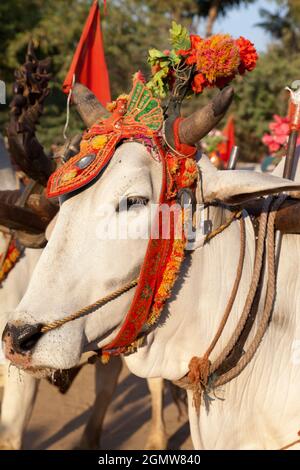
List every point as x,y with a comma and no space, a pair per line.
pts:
226,146
88,63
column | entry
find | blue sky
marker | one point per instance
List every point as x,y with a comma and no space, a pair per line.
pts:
241,21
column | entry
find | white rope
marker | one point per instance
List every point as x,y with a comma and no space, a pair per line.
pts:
68,108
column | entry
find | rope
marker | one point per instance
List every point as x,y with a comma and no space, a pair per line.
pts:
258,263
68,108
214,233
84,311
270,297
234,289
200,369
288,446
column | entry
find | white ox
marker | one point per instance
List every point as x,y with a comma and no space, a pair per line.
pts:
20,388
261,407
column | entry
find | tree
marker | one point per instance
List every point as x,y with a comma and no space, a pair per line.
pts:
15,17
283,25
211,9
130,28
260,95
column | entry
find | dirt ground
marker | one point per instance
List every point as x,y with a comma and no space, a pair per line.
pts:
57,421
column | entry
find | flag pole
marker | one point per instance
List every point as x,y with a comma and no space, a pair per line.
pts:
233,158
294,117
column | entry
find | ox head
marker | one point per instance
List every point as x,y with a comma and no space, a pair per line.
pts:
90,254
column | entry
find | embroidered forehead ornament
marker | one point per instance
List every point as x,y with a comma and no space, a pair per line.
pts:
137,117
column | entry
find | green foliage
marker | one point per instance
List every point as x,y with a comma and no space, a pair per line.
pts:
158,84
179,37
163,63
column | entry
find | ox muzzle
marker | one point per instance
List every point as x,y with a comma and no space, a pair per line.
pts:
19,341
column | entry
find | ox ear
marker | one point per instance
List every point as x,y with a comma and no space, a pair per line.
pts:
238,186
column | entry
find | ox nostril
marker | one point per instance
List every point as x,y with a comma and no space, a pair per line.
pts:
22,338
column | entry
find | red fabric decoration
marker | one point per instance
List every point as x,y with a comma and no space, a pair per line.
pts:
88,63
226,146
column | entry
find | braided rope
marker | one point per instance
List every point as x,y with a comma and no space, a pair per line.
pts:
234,289
221,228
189,382
86,310
269,302
258,264
200,367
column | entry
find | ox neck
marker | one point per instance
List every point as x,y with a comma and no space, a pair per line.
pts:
194,307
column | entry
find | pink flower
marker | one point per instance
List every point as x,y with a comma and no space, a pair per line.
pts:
279,132
273,147
268,141
280,139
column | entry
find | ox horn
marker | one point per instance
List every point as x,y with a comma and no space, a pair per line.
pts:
29,218
29,94
87,105
195,127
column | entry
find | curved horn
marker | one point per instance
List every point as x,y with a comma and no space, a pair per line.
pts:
195,127
33,218
30,91
16,218
87,105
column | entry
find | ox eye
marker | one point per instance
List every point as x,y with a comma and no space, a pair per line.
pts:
128,202
137,201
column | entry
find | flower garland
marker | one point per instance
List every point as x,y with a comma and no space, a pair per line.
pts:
169,278
213,61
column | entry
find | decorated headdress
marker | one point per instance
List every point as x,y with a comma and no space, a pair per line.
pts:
141,117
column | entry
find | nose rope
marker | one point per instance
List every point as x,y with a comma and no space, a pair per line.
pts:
84,311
